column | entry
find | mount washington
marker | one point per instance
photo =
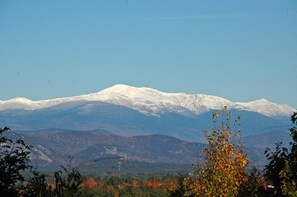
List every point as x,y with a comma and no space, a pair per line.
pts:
153,102
140,124
131,111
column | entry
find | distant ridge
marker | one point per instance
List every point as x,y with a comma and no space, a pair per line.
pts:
153,102
137,123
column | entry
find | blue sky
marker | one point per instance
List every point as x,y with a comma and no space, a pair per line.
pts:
241,50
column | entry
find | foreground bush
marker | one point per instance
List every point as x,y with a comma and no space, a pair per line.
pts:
222,172
281,171
14,160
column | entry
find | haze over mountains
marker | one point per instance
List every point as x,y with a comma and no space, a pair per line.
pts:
123,111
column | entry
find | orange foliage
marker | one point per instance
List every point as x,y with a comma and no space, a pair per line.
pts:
135,183
165,185
154,184
224,169
92,183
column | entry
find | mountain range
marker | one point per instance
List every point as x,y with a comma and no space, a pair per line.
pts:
53,147
153,102
134,119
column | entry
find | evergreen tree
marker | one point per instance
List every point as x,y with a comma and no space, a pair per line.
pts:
14,159
37,187
281,171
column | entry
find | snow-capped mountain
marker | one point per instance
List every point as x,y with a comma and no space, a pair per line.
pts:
154,102
129,111
77,125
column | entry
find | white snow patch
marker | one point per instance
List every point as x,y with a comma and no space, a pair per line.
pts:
153,102
38,153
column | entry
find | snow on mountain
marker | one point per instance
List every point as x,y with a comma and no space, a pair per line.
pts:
154,102
17,103
40,153
266,107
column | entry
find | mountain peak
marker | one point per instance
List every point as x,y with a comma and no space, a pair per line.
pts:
154,102
267,107
16,103
21,100
126,89
118,87
262,100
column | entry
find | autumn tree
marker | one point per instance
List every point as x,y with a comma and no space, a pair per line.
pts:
223,171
